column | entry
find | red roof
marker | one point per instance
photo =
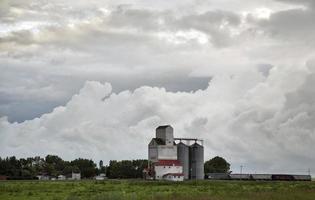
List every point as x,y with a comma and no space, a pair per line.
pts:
168,163
173,174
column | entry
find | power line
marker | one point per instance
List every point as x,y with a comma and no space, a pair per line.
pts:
241,170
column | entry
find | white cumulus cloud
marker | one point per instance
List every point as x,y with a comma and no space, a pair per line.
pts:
263,122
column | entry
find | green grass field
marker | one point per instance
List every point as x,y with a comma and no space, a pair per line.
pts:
136,189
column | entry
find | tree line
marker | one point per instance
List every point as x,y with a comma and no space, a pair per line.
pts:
53,166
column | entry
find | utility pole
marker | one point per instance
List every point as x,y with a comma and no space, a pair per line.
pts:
241,170
309,171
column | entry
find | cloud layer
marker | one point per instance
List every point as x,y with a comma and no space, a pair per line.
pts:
50,48
237,73
263,122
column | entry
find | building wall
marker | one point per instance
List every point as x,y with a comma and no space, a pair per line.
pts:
167,152
174,178
76,176
153,153
162,170
162,152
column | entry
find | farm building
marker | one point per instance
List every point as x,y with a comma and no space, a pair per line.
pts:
173,161
100,177
75,176
43,177
61,177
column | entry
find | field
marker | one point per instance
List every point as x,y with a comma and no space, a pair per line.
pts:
136,189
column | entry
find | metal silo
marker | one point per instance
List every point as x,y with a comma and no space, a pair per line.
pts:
183,157
196,164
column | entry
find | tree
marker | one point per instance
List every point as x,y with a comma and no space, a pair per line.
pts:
217,165
126,168
54,165
113,169
87,167
67,171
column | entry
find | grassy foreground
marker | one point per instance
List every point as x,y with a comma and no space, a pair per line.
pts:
136,189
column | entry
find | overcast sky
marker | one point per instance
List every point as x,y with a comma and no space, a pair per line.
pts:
94,78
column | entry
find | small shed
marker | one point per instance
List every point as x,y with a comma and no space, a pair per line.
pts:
61,177
43,177
75,176
100,177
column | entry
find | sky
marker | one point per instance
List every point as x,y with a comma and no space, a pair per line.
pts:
94,79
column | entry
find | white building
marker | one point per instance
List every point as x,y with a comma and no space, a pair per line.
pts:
163,167
100,177
61,177
75,176
43,177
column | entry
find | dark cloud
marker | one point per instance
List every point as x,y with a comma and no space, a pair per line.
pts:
309,3
291,24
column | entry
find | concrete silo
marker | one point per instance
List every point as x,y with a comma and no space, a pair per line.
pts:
183,157
196,164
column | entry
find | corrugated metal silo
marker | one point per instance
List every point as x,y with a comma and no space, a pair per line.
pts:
196,164
183,157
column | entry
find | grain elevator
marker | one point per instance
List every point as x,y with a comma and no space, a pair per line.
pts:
175,159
